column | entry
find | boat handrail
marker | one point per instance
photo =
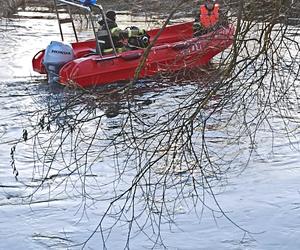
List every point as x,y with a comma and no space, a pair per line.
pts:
75,4
88,9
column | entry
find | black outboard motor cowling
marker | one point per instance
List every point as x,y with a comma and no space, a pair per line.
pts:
57,54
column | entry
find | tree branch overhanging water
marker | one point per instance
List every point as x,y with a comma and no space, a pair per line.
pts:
176,152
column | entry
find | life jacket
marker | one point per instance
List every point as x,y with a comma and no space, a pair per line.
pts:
209,18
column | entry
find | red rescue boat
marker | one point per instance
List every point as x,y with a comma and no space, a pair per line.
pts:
175,49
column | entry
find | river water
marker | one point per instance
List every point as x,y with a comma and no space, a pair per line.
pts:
261,195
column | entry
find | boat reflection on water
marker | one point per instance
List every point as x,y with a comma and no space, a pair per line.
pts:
115,99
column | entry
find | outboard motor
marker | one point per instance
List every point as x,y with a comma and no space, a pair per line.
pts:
57,54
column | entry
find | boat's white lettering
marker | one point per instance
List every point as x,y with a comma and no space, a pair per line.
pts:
193,48
61,52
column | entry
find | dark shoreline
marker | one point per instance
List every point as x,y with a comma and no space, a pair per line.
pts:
9,7
254,8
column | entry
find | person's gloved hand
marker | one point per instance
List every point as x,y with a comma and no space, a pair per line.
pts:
136,32
142,32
